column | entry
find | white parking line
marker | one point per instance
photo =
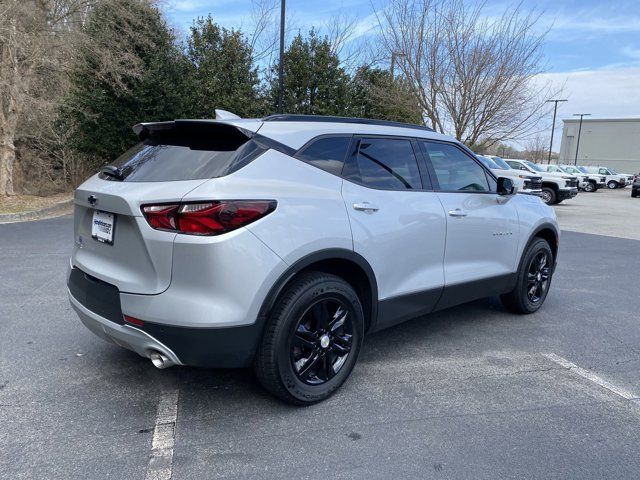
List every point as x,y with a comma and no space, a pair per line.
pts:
161,458
584,373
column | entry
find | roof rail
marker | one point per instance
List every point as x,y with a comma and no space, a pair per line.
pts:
323,118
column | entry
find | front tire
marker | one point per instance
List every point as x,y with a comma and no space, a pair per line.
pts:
590,187
548,195
312,339
612,185
533,281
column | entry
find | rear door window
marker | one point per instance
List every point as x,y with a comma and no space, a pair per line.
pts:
384,163
326,153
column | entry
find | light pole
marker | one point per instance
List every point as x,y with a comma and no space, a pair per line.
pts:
393,62
553,125
575,162
281,63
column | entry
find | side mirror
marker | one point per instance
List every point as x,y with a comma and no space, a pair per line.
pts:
506,186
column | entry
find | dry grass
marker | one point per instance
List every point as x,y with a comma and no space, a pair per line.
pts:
28,203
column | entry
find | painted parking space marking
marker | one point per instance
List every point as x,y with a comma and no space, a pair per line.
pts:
592,377
161,457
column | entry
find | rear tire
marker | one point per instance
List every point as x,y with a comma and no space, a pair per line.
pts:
533,280
548,195
612,185
312,339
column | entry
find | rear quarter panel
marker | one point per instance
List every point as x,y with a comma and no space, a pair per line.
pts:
310,215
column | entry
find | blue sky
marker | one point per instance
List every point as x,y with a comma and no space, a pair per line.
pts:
592,48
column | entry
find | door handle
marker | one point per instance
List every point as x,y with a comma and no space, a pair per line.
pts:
457,213
365,207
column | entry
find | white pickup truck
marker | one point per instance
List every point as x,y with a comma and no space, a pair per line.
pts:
556,187
583,179
589,182
526,182
595,181
614,179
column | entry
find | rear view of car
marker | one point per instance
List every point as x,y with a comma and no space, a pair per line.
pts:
131,267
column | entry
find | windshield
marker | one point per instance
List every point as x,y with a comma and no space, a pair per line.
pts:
567,169
487,161
501,163
613,172
534,166
583,170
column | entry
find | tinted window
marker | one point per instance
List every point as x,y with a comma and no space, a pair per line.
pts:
326,153
160,163
517,166
455,170
384,163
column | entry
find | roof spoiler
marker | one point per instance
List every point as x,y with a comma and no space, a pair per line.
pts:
195,134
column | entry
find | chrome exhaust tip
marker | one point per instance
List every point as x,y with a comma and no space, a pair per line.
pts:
160,360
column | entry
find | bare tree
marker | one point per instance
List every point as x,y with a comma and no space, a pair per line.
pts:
474,76
39,42
536,149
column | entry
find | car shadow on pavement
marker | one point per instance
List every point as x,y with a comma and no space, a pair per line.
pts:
467,327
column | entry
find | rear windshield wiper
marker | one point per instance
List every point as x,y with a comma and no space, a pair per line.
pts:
113,172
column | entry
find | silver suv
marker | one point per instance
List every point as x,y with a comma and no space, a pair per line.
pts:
278,243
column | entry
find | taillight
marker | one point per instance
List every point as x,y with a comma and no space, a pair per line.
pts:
207,218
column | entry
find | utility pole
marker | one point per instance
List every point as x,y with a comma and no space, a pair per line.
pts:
575,162
553,125
393,62
281,62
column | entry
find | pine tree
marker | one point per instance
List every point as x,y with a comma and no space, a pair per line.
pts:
102,106
221,72
314,81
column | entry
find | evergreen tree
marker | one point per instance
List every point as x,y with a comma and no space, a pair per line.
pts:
221,72
375,94
101,109
314,81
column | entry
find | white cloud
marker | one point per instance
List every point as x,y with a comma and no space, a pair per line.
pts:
604,93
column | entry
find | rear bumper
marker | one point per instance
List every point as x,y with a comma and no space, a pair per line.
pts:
566,194
231,347
125,336
98,306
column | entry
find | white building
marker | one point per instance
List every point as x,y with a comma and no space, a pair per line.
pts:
611,142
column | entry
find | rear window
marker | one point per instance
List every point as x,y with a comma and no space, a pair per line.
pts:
160,163
326,153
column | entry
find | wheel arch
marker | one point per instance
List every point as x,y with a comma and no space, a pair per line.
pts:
347,264
548,232
552,185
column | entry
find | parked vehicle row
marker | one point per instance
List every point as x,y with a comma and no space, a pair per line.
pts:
558,182
614,179
552,187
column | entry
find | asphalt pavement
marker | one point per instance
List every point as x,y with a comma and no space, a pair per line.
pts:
472,392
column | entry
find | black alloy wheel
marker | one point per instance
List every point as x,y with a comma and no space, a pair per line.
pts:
538,275
533,279
322,341
311,340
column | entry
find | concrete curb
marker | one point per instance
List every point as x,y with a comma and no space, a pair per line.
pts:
56,210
